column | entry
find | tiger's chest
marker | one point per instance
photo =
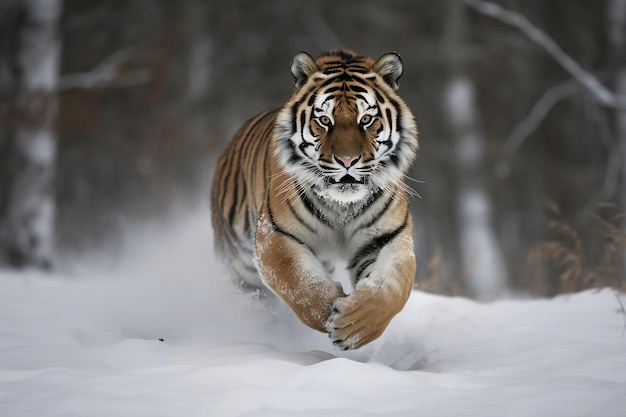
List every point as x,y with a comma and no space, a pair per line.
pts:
329,228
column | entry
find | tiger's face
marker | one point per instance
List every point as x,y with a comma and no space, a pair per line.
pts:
345,133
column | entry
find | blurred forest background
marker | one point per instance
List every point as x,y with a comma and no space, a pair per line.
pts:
112,113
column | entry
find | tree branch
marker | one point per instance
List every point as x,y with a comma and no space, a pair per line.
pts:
527,127
586,79
106,73
614,159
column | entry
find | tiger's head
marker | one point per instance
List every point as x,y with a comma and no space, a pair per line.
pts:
345,133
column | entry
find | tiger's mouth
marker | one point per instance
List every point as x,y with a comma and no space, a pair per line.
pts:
345,190
347,183
348,179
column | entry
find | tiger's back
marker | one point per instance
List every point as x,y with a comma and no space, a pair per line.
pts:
324,176
238,191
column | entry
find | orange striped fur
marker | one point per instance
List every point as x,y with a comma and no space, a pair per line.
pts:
323,177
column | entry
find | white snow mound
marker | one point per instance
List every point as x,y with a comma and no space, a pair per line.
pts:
164,334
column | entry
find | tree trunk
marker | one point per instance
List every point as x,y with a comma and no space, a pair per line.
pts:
616,16
30,74
481,258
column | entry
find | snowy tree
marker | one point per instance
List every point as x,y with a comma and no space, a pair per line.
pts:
29,72
482,265
616,16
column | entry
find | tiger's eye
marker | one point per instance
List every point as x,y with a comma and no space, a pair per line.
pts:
366,119
325,120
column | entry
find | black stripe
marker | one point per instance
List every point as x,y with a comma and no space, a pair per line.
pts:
362,268
245,150
345,77
379,97
388,115
246,224
302,123
382,212
268,132
398,119
234,192
282,231
304,145
266,167
300,219
304,96
395,159
223,189
227,165
294,158
312,99
378,243
395,104
235,244
390,119
388,142
255,161
295,106
357,89
329,98
361,96
256,154
328,82
357,79
345,55
244,201
310,206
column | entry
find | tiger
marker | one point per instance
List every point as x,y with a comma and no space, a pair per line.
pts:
319,179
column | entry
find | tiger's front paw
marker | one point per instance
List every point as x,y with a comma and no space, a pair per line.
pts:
358,319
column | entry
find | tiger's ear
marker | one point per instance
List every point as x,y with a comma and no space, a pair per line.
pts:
389,66
302,66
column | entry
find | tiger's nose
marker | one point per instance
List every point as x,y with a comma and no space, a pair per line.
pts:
347,160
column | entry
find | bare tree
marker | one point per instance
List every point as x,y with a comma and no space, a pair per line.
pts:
616,16
604,96
586,79
481,259
29,76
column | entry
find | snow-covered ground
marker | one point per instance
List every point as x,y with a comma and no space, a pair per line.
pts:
163,334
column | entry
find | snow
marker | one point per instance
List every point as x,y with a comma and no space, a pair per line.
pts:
483,264
85,342
481,255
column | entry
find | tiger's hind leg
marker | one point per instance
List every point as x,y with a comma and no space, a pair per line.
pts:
257,292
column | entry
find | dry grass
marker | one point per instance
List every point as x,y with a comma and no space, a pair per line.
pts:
435,281
569,259
566,262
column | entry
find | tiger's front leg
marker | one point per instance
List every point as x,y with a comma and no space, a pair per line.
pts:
384,282
291,270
